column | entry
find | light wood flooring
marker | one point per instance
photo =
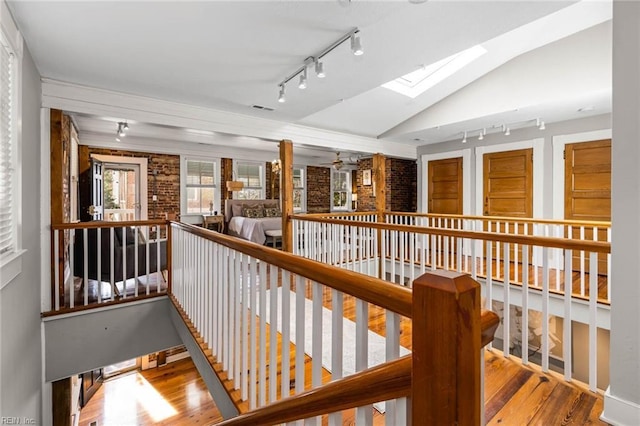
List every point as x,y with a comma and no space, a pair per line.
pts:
173,394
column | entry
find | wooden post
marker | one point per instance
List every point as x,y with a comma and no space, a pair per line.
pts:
446,349
379,178
286,193
227,174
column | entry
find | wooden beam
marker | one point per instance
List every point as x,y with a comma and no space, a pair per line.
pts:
227,175
446,352
61,401
286,193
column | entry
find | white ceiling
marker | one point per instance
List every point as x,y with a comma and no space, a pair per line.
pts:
230,55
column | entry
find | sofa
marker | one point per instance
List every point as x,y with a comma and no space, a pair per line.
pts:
120,251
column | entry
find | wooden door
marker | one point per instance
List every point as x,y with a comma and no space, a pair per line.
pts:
508,183
508,189
587,189
445,186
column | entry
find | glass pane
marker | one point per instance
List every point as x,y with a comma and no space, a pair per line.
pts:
250,174
249,194
200,200
200,172
298,178
297,198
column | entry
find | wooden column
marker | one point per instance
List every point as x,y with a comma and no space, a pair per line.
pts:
227,174
286,193
446,350
379,179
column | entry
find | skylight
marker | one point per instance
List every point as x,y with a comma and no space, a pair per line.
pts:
417,82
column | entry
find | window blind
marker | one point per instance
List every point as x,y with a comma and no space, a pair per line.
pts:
7,221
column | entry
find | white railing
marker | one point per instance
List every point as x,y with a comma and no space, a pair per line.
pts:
540,278
100,262
274,330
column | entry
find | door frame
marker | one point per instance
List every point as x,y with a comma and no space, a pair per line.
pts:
142,163
423,181
538,171
558,144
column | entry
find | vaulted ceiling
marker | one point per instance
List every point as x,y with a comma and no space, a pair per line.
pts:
545,59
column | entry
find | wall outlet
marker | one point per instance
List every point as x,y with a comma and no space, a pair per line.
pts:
154,197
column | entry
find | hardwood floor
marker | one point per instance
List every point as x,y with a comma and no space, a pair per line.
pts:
173,394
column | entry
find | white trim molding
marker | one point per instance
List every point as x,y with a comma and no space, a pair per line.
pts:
90,100
618,411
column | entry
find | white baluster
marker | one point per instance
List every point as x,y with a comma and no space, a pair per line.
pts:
567,331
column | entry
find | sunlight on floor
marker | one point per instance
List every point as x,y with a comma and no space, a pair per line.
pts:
134,389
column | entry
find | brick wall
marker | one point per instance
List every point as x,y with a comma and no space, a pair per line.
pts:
318,189
401,185
366,200
163,180
270,180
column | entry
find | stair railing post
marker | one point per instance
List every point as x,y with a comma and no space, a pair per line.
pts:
446,374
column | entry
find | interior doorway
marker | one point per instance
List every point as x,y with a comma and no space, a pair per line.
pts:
121,183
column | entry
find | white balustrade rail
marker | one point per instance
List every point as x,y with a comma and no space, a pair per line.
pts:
537,284
274,329
101,262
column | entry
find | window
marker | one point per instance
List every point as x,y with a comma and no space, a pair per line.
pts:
299,196
340,189
252,176
201,186
10,190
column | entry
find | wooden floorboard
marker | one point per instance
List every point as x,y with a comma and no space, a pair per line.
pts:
173,394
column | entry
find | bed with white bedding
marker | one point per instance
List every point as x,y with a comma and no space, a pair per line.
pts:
252,228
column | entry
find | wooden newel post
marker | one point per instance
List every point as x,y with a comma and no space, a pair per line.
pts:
446,350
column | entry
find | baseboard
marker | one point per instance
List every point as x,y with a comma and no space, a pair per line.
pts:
619,411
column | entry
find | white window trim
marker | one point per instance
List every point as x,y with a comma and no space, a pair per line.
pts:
349,204
303,204
183,186
263,175
11,264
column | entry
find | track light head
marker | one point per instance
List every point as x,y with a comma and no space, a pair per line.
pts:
303,80
126,126
541,126
356,46
507,132
320,69
281,97
481,135
120,132
464,138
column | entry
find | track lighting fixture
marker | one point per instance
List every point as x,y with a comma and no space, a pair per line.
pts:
503,128
356,49
356,46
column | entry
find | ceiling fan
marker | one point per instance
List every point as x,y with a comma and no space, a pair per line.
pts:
338,162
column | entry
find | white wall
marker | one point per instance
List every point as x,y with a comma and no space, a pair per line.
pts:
622,400
20,368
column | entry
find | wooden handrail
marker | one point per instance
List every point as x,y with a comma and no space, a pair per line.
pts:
563,243
383,382
101,224
373,290
386,381
600,224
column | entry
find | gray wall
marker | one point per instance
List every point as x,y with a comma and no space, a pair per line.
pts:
20,369
597,122
81,342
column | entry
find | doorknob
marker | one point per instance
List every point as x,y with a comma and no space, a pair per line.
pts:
92,210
